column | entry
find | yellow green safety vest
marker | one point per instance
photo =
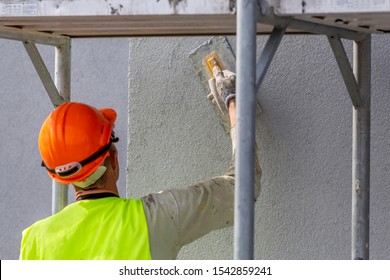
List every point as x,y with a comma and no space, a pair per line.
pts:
101,229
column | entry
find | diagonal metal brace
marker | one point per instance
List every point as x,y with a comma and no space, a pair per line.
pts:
345,69
268,54
43,73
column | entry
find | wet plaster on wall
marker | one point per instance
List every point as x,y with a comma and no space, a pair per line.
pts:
304,135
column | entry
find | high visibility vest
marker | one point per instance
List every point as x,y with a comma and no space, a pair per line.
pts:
101,229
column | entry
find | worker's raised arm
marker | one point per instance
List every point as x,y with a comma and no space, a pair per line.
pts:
226,87
181,215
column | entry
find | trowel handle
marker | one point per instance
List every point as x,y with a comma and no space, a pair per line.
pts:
216,71
212,85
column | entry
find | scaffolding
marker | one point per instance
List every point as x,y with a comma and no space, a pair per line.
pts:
56,23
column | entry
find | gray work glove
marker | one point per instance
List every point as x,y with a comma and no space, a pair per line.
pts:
226,84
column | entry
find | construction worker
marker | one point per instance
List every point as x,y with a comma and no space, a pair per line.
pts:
76,143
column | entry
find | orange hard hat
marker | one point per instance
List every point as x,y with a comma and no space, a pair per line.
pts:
75,139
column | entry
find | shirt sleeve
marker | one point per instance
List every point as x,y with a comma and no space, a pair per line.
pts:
179,216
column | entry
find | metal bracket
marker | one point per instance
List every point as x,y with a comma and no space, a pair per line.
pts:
345,69
23,35
267,55
269,14
43,73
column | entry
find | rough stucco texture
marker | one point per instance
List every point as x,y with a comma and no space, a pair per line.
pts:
304,135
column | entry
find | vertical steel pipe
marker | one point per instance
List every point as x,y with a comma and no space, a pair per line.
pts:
246,110
59,196
62,70
361,152
62,82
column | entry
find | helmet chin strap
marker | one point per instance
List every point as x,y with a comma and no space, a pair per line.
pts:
91,179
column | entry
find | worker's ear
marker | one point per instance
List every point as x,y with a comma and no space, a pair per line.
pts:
114,158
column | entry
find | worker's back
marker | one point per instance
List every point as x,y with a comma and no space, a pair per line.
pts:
105,228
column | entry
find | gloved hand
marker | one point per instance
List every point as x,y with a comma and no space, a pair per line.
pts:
226,84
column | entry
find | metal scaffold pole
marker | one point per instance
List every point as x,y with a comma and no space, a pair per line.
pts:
62,82
246,110
361,152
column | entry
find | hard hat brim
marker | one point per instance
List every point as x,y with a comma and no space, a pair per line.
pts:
109,114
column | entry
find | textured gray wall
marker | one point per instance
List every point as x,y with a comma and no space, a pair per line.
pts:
99,77
304,136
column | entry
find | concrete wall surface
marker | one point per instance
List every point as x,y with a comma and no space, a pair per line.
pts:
304,135
99,77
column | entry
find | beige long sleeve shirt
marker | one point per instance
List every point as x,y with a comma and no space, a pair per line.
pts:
179,216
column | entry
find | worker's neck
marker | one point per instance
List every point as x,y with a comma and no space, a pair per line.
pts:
109,189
